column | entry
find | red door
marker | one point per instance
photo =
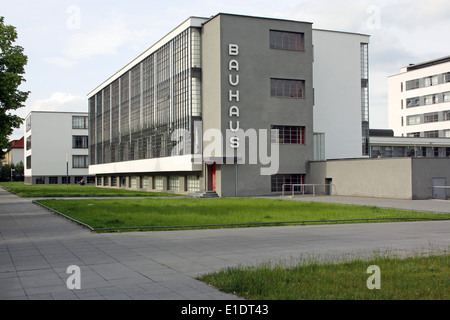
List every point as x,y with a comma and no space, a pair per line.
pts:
212,177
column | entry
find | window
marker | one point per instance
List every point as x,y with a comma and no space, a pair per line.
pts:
414,135
53,180
432,134
412,84
80,142
28,124
80,161
278,180
193,183
413,102
28,162
288,134
174,183
286,88
412,120
431,81
447,115
446,97
159,183
28,142
286,40
431,99
431,117
447,77
79,122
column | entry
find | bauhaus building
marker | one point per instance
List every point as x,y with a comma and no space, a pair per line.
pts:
230,104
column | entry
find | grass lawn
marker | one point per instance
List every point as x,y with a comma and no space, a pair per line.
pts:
74,190
123,213
414,278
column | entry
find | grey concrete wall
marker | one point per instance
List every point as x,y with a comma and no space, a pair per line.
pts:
424,170
382,178
258,110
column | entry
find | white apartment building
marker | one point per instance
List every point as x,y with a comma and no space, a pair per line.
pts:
419,100
341,93
56,148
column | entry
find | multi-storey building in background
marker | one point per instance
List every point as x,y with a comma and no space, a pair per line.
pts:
227,104
56,148
419,100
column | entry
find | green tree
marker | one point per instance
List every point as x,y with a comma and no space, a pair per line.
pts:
12,68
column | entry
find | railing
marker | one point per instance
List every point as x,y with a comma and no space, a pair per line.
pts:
303,188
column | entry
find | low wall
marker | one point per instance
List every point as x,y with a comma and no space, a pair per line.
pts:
380,178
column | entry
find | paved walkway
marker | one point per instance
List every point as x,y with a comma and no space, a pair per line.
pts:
37,247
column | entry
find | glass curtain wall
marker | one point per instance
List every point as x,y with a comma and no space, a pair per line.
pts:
135,116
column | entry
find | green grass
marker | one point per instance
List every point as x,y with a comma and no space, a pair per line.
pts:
413,278
74,190
123,213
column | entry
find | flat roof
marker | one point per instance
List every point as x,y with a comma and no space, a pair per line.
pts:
189,22
426,64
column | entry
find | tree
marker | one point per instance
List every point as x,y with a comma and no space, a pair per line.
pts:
12,68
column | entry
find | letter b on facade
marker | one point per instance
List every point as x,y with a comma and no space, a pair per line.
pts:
374,281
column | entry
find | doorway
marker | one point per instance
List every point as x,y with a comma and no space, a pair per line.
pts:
211,168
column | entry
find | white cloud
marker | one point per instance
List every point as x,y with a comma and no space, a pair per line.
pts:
104,36
59,101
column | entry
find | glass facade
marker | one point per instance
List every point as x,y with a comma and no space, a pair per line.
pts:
134,117
365,98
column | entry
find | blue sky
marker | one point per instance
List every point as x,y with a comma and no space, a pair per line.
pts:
73,46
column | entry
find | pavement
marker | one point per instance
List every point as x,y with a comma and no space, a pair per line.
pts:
37,247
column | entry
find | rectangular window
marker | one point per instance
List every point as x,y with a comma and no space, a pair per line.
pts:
431,117
193,183
53,180
28,124
80,142
414,135
279,180
447,115
446,97
286,40
28,142
286,88
28,162
431,134
65,180
412,120
447,77
413,102
79,161
288,134
412,84
113,181
79,122
159,183
174,183
431,99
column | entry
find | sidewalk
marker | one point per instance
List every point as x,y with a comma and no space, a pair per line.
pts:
37,247
434,205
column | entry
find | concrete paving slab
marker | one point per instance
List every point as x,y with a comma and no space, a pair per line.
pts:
36,247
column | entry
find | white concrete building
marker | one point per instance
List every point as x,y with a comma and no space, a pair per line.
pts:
419,100
56,147
341,92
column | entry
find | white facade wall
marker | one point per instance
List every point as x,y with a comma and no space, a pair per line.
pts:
51,145
398,95
337,91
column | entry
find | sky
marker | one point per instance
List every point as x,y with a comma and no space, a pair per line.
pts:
73,46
